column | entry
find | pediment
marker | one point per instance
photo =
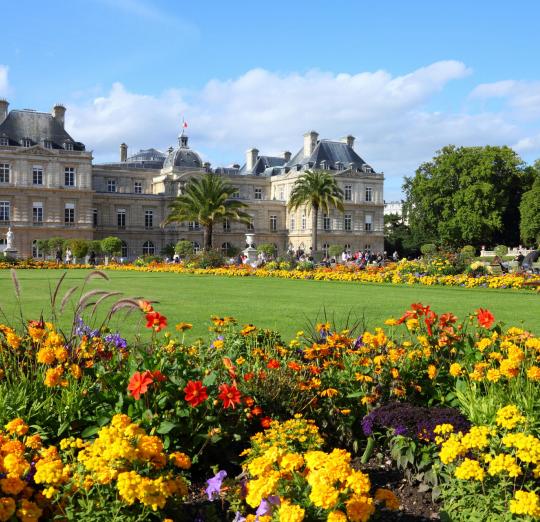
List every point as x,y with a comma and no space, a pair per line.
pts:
35,150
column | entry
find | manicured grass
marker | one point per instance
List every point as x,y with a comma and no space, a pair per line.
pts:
285,305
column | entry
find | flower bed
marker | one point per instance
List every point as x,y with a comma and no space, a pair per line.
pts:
96,428
405,272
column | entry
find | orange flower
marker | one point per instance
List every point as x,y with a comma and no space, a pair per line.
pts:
273,364
195,392
184,326
265,422
248,376
230,395
256,411
156,321
294,366
158,376
485,317
139,383
146,306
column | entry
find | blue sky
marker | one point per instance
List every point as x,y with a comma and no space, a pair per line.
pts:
405,77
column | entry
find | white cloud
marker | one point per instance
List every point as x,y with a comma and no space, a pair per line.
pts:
3,80
395,132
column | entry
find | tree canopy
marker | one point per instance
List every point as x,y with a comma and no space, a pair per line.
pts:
317,190
467,195
207,200
530,210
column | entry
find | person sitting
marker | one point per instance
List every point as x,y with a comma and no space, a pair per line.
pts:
497,261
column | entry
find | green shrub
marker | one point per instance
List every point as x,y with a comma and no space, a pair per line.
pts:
79,247
429,249
501,250
335,250
268,249
184,248
468,251
207,259
94,245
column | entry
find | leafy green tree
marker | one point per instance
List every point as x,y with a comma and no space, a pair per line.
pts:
79,247
398,237
529,209
268,249
111,245
467,195
335,251
57,243
44,246
95,245
317,190
206,199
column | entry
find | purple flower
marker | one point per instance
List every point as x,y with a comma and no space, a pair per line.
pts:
359,342
214,484
239,517
114,338
83,329
266,506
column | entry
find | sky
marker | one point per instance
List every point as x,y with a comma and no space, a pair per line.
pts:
405,77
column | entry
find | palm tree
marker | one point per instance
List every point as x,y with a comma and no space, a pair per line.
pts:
317,190
207,200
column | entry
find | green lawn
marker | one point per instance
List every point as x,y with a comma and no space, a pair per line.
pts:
285,305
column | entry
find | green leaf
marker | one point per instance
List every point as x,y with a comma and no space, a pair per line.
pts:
89,432
210,379
165,427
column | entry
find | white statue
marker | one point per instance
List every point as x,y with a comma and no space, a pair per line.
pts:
9,239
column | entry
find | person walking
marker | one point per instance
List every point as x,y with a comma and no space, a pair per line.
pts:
69,256
59,257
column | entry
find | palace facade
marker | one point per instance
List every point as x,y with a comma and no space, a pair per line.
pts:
49,187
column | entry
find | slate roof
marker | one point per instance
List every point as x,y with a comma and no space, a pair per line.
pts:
36,126
330,151
264,166
182,156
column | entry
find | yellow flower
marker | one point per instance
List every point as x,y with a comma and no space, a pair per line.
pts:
359,508
180,460
390,500
525,503
533,373
503,463
469,469
509,417
432,371
17,427
181,327
28,511
290,512
455,370
337,516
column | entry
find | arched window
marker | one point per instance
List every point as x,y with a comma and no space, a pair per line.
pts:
196,246
124,250
347,248
325,248
35,249
148,248
226,249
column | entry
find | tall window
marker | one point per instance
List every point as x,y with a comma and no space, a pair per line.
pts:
258,193
4,210
69,214
48,144
293,223
4,142
348,193
137,187
226,249
35,249
281,193
111,185
193,225
251,224
325,248
368,223
148,248
25,142
69,177
121,217
347,248
273,223
148,218
68,145
124,249
4,172
304,221
326,222
347,224
37,175
226,225
37,212
94,217
369,194
196,246
236,193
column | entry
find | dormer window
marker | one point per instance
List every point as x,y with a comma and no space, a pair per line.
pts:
4,142
26,142
339,165
368,169
68,145
323,165
47,144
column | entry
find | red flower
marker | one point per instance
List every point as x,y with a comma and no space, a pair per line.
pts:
156,321
158,376
195,392
430,319
139,383
273,364
485,317
265,422
294,366
256,411
248,376
230,395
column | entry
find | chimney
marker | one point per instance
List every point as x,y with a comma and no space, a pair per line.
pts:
251,159
4,104
349,140
123,152
206,166
310,142
59,112
287,156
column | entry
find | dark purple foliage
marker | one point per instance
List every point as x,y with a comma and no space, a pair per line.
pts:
413,421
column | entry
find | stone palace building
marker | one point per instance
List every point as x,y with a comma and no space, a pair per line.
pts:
49,187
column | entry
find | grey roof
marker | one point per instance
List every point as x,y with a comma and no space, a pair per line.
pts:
264,166
226,171
147,155
37,127
182,156
332,152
